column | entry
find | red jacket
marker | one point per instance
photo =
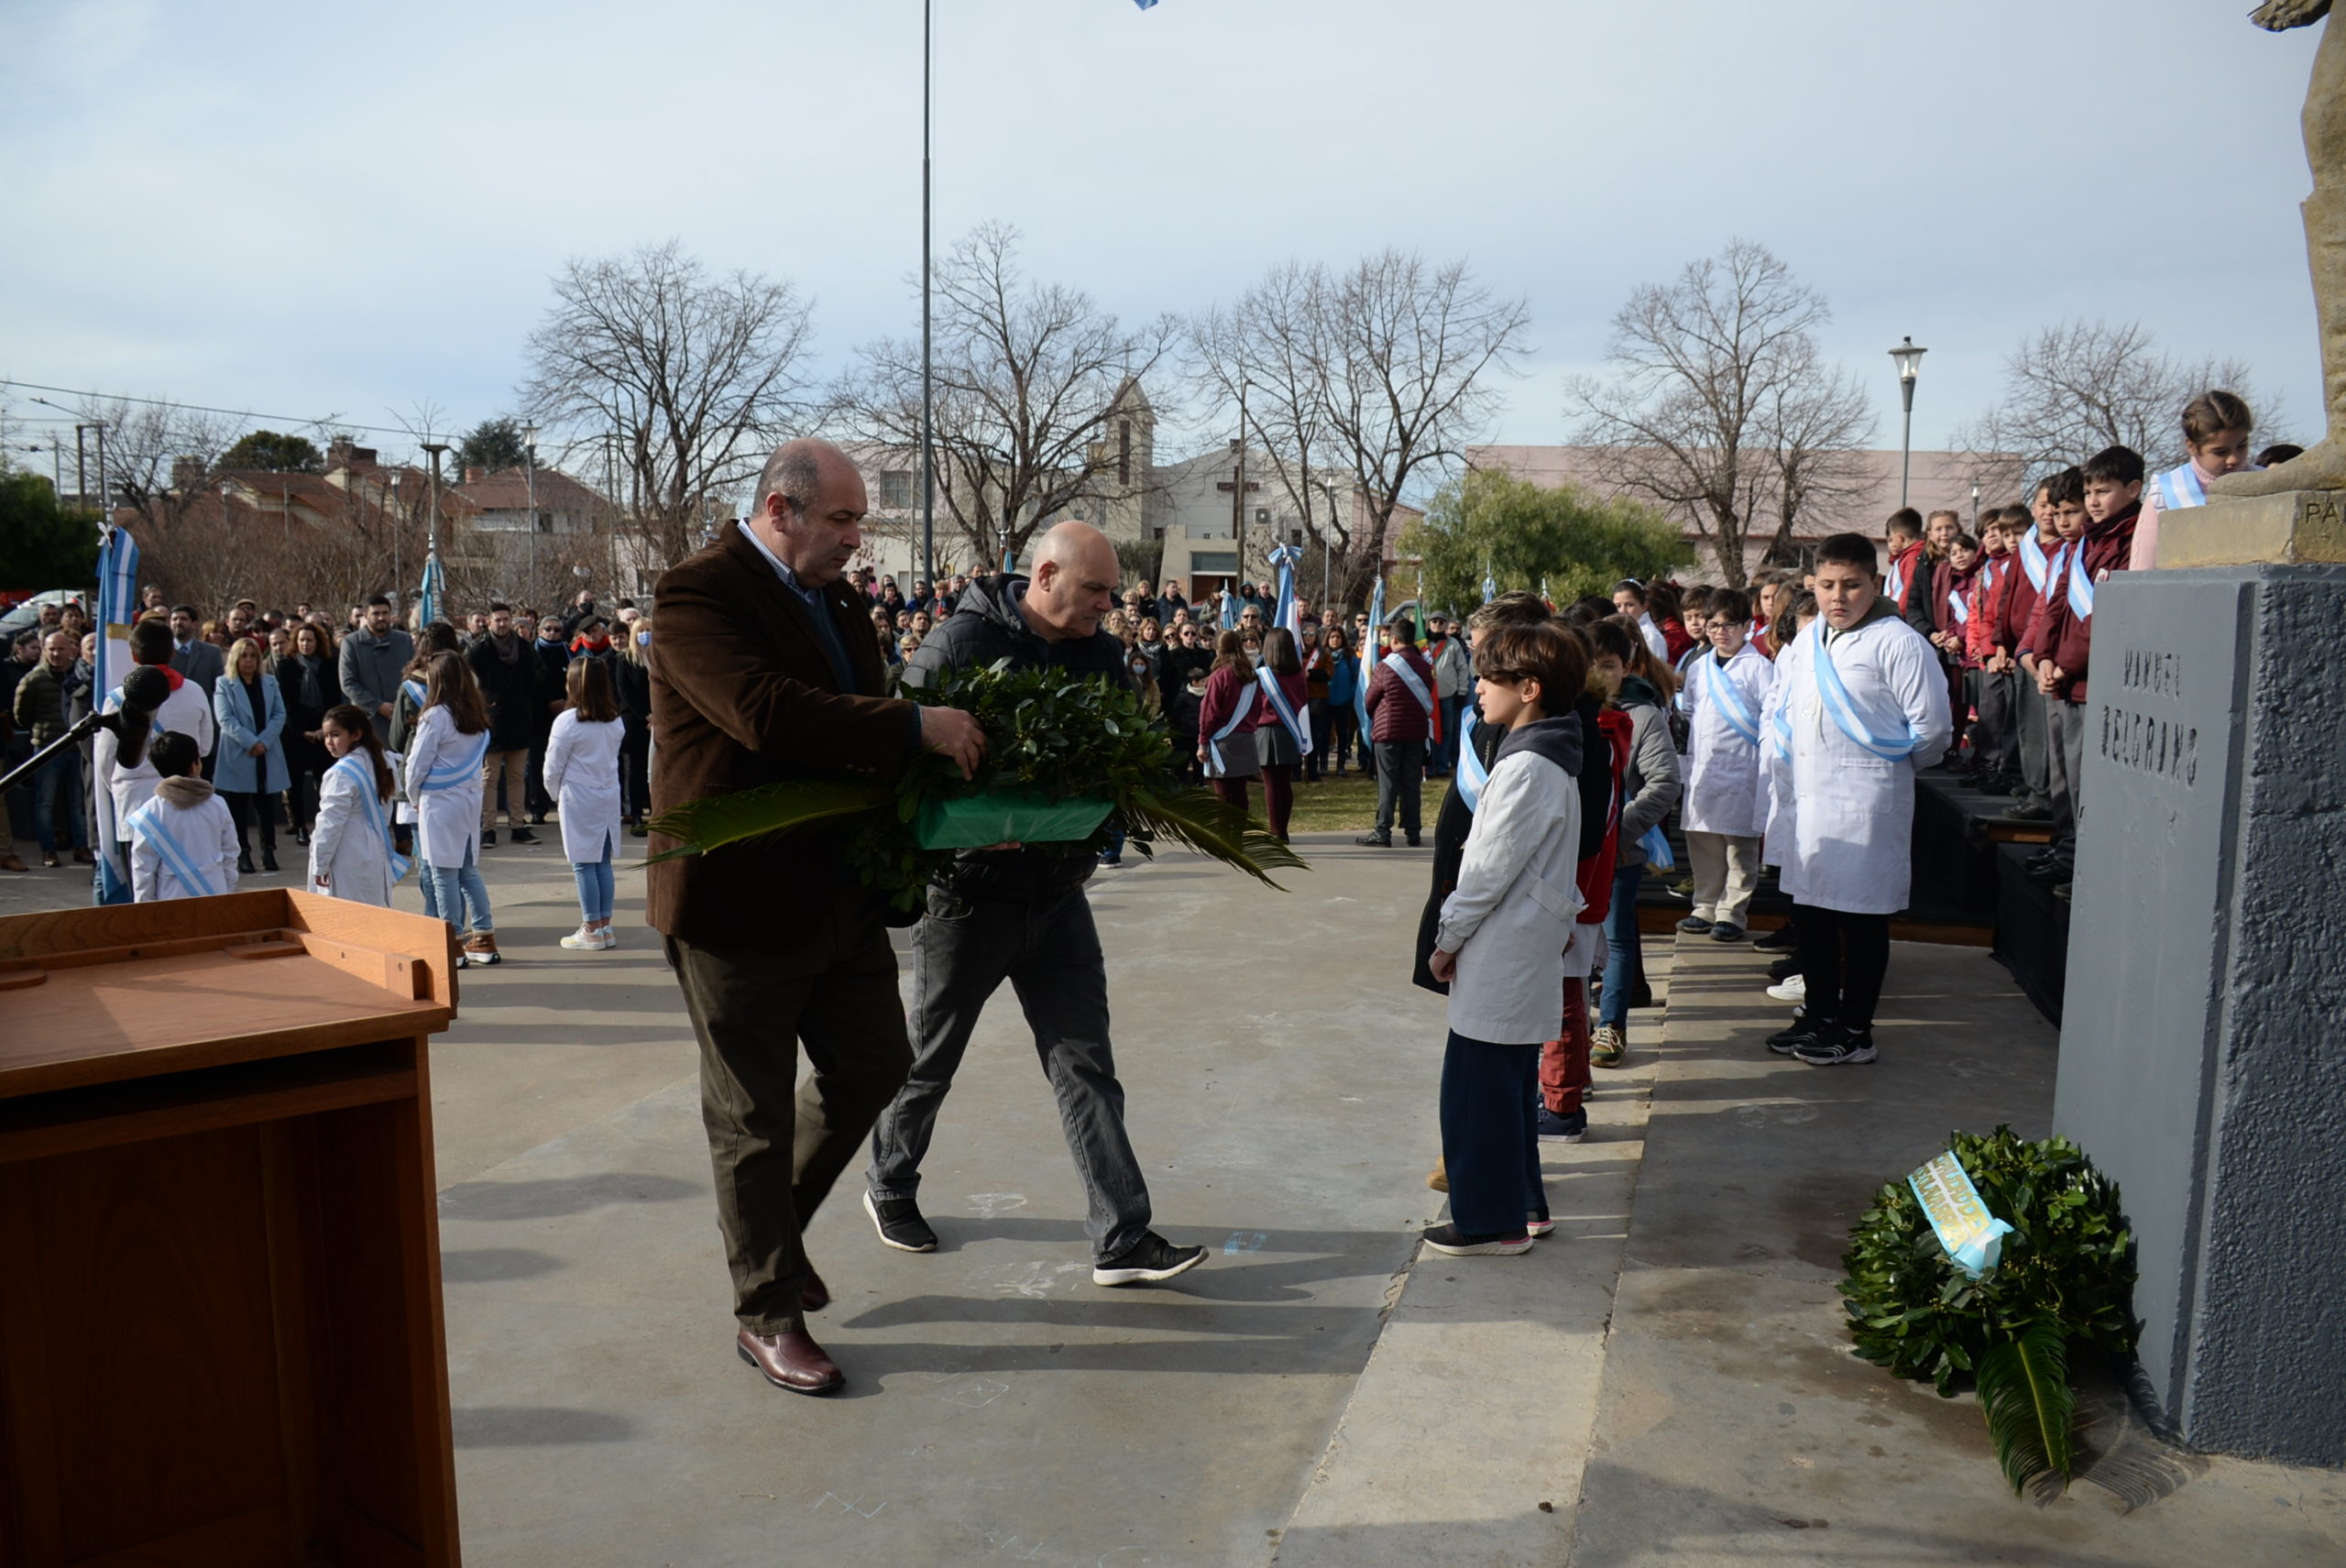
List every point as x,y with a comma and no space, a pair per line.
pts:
1911,558
1676,637
1983,635
2020,608
1226,690
2058,632
1394,711
1594,874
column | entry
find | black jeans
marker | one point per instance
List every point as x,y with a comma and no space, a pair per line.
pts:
962,951
1401,772
1845,958
777,1146
1490,1138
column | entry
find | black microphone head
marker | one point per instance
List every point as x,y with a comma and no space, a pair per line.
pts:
146,688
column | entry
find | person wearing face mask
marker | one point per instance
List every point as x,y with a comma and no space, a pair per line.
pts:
551,649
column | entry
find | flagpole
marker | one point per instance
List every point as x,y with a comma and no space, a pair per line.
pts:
928,389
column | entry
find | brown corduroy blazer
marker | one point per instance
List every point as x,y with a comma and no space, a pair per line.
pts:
742,694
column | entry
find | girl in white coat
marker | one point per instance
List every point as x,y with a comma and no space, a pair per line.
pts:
444,779
351,854
1500,942
1727,685
581,772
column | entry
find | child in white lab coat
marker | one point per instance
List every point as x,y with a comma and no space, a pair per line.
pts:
444,779
183,841
1727,686
352,854
582,771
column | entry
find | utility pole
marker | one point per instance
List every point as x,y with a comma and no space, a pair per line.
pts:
927,387
105,506
432,536
1238,490
80,467
530,467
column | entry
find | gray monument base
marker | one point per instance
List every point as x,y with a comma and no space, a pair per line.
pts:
2203,1049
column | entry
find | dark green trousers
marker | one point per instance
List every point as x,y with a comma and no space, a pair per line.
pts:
775,1145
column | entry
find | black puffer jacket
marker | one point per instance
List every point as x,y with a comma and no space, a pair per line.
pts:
986,626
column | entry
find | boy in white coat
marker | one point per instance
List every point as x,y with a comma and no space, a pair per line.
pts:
1866,707
1727,687
1500,943
183,841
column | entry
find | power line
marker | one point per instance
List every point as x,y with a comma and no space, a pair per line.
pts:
208,409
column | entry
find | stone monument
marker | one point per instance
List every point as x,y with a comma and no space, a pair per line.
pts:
2199,1065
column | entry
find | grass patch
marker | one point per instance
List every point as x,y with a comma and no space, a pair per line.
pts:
1348,804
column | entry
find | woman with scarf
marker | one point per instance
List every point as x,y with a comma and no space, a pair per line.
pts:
310,685
593,641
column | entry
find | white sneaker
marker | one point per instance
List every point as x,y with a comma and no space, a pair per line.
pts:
1793,989
582,940
606,939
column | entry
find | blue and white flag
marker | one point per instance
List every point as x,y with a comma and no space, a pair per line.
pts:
1490,588
1230,609
117,608
1366,653
1143,5
434,585
2034,562
1289,614
1008,560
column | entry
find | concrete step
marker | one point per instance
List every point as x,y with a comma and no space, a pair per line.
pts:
1463,1439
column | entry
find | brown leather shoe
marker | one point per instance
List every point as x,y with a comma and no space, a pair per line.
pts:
814,1296
791,1360
10,864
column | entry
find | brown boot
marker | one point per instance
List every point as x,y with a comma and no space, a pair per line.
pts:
10,864
480,948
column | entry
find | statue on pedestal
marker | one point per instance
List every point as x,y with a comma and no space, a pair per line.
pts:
2323,466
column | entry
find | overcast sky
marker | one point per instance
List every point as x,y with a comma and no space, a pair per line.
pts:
352,210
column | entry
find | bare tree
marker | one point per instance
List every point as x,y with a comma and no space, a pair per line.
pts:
694,378
2072,389
1029,379
1380,375
1719,401
158,453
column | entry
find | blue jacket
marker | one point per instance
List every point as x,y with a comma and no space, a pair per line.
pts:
1343,679
234,769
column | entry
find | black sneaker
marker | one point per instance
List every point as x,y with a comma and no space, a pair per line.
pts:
1781,940
1786,967
1151,1260
899,1223
1375,841
2028,811
1835,1046
1695,925
489,837
1568,1129
1805,1031
1451,1242
1726,931
1413,841
523,835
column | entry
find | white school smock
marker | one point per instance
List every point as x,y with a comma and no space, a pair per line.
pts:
1775,766
582,771
343,843
1511,916
1723,791
447,821
1851,847
206,832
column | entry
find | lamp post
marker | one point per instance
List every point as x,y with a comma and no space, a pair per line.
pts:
432,536
927,386
529,468
1974,506
1910,360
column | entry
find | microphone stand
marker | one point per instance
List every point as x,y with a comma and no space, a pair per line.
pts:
89,724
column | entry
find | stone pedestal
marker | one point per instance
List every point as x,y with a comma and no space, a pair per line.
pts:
2203,1047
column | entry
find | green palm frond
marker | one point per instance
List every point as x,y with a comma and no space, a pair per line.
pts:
1212,826
2025,1395
719,819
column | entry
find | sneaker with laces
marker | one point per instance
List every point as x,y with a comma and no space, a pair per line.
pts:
1607,1045
1451,1242
1804,1031
1779,940
1837,1046
582,941
1793,988
1151,1260
606,939
1565,1129
1726,931
1695,925
899,1223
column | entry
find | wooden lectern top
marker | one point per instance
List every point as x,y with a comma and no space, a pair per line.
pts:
92,996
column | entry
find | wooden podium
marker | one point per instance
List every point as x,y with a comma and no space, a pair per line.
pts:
220,1326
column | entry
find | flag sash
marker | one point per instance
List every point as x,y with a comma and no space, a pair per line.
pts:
148,827
2080,583
455,775
1472,773
1835,698
363,772
1298,724
1238,710
2032,561
1733,704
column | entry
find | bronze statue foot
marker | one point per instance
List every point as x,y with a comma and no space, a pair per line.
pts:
2321,466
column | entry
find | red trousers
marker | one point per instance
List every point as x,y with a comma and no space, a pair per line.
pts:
1563,1064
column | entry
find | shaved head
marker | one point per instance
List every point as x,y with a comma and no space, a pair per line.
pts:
1074,582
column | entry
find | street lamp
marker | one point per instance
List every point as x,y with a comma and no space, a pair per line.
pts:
1974,506
1909,362
529,466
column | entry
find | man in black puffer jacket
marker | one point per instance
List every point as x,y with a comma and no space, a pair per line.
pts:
1019,914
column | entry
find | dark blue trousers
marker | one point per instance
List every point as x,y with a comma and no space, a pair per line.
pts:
1490,1138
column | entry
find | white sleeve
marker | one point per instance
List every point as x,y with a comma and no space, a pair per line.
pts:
229,848
336,801
144,869
423,752
1918,683
558,746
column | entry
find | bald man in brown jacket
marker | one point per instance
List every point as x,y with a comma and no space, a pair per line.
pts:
765,668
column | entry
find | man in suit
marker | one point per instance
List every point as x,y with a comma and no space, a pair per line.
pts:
767,670
192,656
